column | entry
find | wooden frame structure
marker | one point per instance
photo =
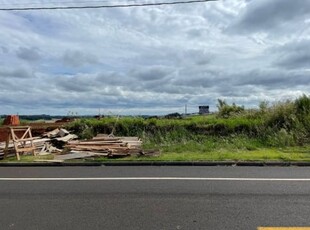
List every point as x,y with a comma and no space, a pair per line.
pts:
22,144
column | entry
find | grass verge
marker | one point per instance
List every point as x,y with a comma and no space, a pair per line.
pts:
261,154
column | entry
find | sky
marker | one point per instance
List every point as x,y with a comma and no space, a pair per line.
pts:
152,60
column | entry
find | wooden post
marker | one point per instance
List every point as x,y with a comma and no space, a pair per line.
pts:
20,144
7,142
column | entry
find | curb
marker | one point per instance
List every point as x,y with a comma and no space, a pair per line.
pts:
48,164
155,163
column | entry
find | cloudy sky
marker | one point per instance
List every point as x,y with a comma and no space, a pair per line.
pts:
152,60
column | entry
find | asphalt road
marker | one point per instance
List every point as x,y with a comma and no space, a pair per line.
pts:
154,197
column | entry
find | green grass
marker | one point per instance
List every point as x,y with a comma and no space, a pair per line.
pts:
219,154
27,158
263,155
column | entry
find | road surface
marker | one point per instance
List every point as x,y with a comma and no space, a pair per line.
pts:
154,197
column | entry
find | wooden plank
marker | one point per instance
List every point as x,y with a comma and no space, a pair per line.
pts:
99,147
30,136
129,138
26,139
26,132
104,139
67,138
42,160
124,144
102,135
19,127
15,144
95,153
6,149
26,149
71,156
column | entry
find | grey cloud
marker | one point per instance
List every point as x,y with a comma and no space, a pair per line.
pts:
294,46
112,79
295,61
77,83
294,55
199,82
194,33
205,77
227,83
19,72
189,80
28,54
152,73
244,91
76,58
103,83
4,50
75,86
272,79
172,58
197,56
27,101
265,15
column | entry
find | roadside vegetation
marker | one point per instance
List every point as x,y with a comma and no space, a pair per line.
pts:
279,131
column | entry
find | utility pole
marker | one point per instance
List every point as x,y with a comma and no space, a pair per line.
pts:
185,109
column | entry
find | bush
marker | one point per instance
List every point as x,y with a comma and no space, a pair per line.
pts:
281,116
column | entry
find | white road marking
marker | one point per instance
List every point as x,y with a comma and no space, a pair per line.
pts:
151,178
283,228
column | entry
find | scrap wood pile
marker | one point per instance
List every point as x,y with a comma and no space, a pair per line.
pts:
48,143
108,145
104,145
64,146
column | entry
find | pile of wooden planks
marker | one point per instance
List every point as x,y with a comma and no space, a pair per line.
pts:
37,141
109,146
64,146
48,143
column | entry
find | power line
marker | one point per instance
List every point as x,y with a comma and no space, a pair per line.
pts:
104,6
54,3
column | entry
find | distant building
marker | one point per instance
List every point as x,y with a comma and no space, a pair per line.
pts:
204,109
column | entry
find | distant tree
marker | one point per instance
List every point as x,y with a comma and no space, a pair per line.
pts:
173,115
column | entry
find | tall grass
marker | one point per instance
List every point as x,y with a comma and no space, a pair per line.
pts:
278,125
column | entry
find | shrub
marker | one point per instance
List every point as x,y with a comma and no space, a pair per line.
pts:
281,116
226,110
302,106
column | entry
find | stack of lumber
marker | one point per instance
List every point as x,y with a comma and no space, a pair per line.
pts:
109,146
48,143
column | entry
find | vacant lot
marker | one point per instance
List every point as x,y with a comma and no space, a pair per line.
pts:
273,132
